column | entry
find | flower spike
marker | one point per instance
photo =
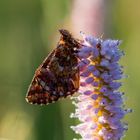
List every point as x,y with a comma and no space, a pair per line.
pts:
100,106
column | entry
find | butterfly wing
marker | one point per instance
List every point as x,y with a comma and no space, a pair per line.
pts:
57,76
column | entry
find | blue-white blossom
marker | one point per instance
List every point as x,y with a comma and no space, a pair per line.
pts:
100,105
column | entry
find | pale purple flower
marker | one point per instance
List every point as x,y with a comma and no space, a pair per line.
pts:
100,105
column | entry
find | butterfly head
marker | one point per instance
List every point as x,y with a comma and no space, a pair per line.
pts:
66,37
65,33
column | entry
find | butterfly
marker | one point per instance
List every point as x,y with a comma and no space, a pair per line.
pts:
58,75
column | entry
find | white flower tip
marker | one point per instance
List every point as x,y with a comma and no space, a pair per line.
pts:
82,34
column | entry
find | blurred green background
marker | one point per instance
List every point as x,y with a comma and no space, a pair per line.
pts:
28,29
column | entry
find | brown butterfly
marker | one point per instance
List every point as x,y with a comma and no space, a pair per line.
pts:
58,75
